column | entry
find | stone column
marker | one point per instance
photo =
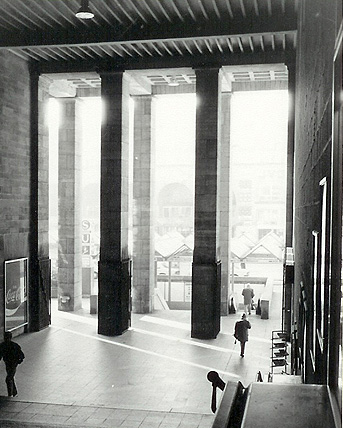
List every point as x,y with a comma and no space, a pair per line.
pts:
206,256
143,209
69,206
40,264
289,311
225,229
290,156
335,329
114,299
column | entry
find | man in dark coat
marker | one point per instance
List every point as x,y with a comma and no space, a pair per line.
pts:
248,294
12,355
241,332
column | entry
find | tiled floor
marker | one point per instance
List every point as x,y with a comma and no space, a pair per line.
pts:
154,375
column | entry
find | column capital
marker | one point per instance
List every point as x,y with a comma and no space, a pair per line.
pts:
110,73
45,82
143,96
227,94
290,62
67,99
207,67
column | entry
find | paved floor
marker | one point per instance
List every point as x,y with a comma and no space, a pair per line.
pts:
154,375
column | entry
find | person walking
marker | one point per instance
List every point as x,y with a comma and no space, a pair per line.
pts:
241,332
12,355
248,294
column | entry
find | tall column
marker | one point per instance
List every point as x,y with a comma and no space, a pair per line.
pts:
114,265
290,156
336,199
143,219
69,206
206,264
224,202
288,311
40,265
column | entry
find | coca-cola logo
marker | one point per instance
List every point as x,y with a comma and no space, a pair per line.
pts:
13,299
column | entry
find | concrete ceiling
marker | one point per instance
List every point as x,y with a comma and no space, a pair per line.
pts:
154,40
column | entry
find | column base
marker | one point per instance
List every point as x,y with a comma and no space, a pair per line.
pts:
142,301
39,302
114,298
68,303
93,303
206,278
224,297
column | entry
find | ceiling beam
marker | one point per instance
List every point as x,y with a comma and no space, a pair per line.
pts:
193,61
145,33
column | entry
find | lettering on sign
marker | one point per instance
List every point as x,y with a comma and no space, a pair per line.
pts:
86,250
86,225
86,238
86,261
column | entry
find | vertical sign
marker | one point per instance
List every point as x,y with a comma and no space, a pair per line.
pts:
86,243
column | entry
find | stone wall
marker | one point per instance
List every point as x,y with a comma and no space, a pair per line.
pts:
318,26
15,162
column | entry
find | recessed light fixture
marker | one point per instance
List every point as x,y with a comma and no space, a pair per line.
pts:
84,12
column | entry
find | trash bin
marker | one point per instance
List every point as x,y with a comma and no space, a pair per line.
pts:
64,302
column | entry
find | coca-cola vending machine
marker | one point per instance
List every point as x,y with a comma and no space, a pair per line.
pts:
16,285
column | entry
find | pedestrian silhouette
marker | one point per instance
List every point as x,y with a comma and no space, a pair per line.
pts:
12,355
241,332
248,294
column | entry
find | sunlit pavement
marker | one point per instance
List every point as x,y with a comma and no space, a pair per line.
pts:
154,375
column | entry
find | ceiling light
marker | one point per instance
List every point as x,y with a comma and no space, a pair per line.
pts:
84,12
173,81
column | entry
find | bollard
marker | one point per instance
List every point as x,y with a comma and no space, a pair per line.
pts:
258,307
65,300
232,309
216,381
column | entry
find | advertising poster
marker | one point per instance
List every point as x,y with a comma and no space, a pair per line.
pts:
16,278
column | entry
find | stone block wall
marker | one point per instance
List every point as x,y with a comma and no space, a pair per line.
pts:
313,121
15,163
318,25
